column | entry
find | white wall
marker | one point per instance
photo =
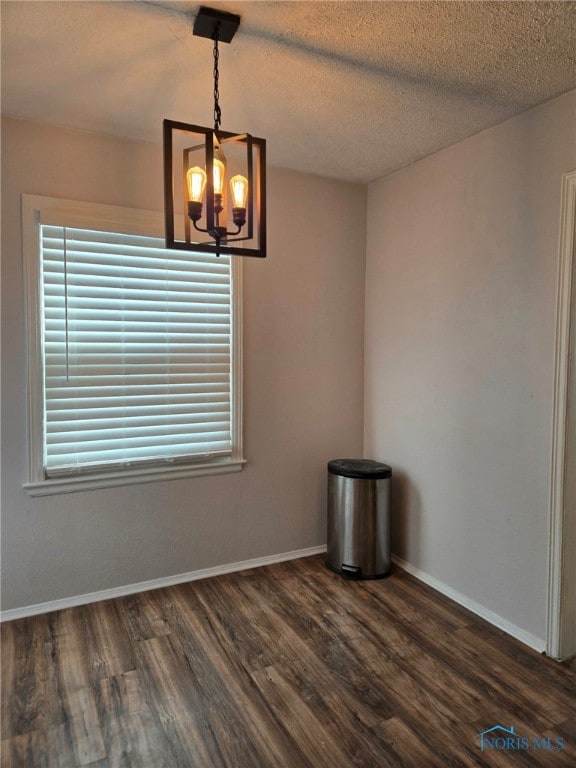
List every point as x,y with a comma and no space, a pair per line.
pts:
461,278
303,328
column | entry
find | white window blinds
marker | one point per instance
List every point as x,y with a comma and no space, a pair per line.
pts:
137,352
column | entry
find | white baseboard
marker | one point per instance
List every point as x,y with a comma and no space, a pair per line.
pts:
537,643
532,641
145,586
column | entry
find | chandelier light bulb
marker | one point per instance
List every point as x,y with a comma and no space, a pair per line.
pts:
196,181
219,176
239,189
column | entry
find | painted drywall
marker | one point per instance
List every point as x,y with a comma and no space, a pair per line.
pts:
461,278
303,360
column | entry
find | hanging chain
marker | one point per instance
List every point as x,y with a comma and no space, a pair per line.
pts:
217,110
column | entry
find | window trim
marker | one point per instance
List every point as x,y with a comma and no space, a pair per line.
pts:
38,210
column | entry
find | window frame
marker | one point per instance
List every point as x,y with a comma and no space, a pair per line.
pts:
37,210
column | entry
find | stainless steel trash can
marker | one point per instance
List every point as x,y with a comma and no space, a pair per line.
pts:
359,518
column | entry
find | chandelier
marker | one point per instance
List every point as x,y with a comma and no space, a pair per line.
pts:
214,180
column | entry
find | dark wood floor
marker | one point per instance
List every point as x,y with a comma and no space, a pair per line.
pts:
287,666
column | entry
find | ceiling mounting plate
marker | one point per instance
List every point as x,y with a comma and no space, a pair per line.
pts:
209,20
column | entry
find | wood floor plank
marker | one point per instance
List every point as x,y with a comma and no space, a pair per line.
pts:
48,748
8,647
69,643
418,600
85,727
31,689
356,644
331,603
132,736
253,646
107,643
226,682
566,729
428,685
174,695
74,681
330,671
468,665
313,681
312,739
285,666
401,691
531,758
404,746
522,680
339,659
142,616
393,633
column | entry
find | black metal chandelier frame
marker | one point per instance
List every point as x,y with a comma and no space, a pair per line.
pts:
249,236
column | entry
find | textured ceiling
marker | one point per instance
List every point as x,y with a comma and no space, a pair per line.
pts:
350,90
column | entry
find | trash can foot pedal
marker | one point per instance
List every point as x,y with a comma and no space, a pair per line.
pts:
351,571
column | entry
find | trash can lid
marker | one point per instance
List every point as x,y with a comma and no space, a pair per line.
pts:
359,468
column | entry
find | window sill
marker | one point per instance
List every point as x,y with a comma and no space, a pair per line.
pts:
58,485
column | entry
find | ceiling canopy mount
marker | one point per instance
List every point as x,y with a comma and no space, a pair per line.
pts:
210,23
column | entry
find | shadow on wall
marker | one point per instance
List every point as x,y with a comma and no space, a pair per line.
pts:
405,517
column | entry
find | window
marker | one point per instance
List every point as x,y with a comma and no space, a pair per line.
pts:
134,350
